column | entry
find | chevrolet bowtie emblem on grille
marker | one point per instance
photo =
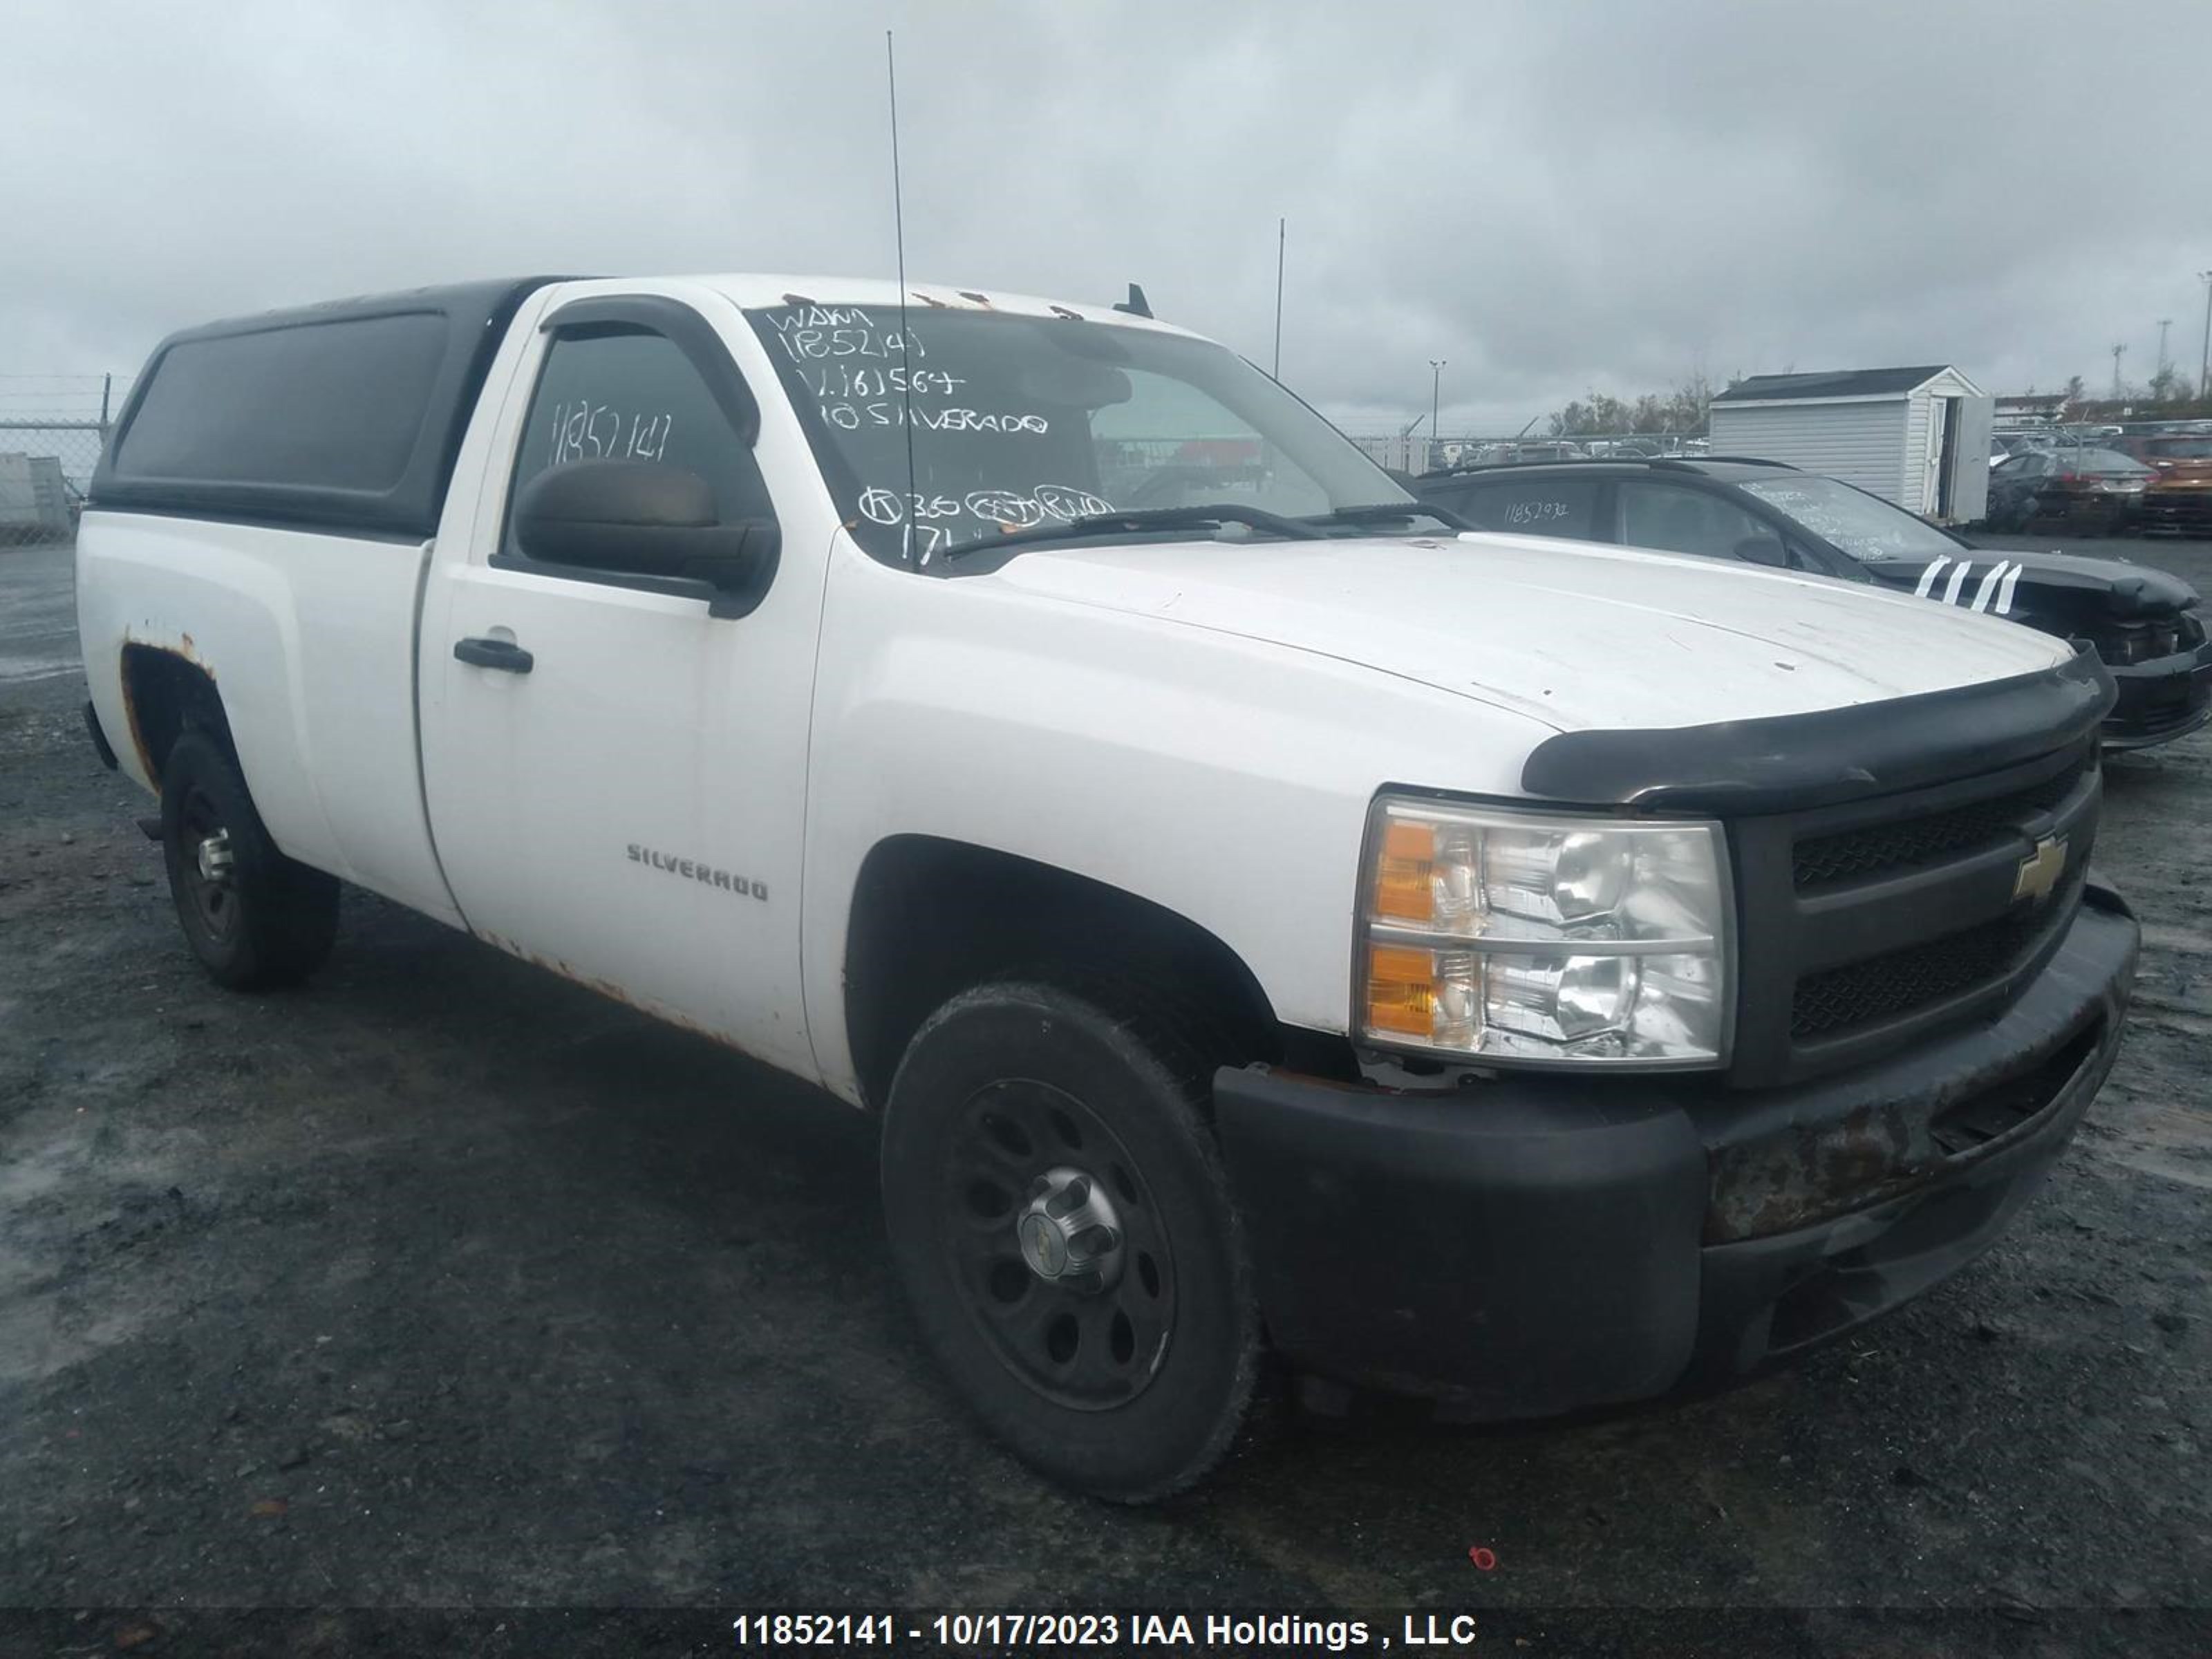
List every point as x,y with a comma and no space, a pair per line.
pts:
2040,870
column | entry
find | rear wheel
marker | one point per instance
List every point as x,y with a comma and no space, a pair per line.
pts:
1059,1216
254,918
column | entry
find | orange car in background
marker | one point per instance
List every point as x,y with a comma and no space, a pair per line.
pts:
2179,499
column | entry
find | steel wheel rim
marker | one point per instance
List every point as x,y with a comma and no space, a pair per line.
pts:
214,901
1089,1347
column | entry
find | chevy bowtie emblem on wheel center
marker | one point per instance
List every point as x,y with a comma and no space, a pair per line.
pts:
2040,870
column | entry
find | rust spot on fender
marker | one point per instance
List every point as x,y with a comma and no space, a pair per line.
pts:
184,649
137,733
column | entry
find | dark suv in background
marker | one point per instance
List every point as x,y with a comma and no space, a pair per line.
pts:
2143,623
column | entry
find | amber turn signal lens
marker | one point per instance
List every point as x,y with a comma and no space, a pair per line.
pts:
1402,991
1404,872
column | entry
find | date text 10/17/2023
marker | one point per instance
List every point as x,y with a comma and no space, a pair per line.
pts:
1173,1632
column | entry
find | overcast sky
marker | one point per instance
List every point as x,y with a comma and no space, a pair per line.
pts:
1551,198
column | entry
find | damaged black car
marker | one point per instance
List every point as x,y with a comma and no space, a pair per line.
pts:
2143,623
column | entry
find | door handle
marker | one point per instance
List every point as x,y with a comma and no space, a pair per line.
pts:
503,654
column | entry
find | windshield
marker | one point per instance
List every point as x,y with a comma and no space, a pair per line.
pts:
1865,526
2180,449
1021,423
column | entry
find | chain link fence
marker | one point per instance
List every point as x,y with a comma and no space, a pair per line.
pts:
1415,455
52,428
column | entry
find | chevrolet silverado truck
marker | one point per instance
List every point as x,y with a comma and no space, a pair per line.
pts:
1282,940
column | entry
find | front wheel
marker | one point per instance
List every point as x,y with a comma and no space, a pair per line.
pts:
1059,1214
254,918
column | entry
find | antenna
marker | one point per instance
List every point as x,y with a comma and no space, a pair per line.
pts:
906,372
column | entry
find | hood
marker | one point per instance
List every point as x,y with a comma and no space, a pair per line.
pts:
1573,634
2054,587
2179,472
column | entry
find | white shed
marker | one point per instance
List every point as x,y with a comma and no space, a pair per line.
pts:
1919,437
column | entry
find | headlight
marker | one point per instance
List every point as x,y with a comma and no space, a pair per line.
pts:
1493,933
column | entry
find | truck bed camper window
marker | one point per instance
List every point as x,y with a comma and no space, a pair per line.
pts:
326,406
344,418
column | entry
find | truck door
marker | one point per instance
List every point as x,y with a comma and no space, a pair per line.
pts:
614,775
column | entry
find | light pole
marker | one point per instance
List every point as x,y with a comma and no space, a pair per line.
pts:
2119,351
1282,234
2204,368
1436,392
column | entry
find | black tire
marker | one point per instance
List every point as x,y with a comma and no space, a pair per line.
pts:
266,921
1130,1389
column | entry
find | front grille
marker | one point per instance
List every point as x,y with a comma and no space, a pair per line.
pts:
2169,714
1885,848
2146,641
2178,520
1865,925
1841,999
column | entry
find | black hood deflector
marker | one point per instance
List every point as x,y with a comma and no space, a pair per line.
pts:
1791,763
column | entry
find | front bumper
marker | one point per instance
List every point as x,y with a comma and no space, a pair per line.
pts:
2181,510
2160,699
2104,512
1537,1245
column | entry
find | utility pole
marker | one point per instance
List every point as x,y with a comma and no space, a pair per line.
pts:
1280,231
2119,351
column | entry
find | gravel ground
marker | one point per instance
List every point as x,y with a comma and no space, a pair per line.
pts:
443,1283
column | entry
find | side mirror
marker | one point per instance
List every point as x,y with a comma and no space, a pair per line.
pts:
647,519
1763,549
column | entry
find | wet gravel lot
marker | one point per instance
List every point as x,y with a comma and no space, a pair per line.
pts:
443,1283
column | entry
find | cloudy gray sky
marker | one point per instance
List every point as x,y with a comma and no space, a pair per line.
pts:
1551,197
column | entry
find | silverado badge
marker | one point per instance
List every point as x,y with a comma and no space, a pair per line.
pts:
2040,870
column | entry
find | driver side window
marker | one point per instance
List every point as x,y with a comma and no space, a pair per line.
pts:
631,395
1675,519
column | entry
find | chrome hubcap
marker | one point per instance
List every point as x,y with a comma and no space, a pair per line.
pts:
1069,1233
213,857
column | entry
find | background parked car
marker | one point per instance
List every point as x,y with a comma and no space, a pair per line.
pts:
1555,450
2178,500
2143,623
2098,491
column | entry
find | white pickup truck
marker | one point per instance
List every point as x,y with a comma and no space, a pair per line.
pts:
1281,937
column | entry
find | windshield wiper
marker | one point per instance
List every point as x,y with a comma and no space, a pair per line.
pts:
1139,523
1386,511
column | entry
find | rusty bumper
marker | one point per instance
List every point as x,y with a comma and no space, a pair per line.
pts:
1543,1244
